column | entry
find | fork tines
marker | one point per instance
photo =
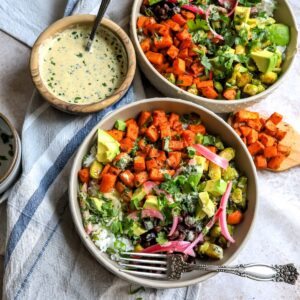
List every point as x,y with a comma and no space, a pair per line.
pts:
144,264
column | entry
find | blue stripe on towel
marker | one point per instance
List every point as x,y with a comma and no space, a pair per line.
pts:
38,196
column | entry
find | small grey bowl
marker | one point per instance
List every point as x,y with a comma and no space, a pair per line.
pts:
282,14
214,125
10,152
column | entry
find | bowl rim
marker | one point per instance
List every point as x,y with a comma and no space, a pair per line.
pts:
73,201
196,98
59,26
16,147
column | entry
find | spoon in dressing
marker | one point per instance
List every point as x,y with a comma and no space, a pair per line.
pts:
100,14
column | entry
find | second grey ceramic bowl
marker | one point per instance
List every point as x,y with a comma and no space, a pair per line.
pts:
214,125
10,154
282,14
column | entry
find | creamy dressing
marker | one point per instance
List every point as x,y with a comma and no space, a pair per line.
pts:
77,76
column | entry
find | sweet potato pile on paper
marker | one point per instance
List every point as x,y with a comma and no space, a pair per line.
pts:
262,138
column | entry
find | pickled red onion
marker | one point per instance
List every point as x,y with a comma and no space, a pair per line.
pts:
173,246
218,160
222,219
220,37
174,225
152,213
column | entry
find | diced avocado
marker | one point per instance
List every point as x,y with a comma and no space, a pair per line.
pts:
96,203
138,196
241,15
200,160
242,183
240,49
199,138
265,60
151,202
193,89
200,214
238,198
215,187
215,231
269,77
107,147
228,153
230,174
218,86
250,89
170,77
279,34
252,22
207,205
211,250
214,171
137,229
95,169
120,125
243,78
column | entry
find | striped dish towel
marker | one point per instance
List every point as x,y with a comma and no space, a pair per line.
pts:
44,256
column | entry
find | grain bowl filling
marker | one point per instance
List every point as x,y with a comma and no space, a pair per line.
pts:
161,183
217,49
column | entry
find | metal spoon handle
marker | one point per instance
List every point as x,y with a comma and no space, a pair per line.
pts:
261,272
100,14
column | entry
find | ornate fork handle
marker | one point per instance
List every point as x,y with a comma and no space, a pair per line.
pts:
279,273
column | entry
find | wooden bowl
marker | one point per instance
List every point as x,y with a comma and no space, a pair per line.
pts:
61,25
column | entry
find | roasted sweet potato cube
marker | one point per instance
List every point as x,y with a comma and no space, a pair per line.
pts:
256,148
252,137
275,162
140,178
245,130
270,128
139,164
245,115
260,162
151,164
285,150
255,124
280,134
270,151
266,139
276,118
152,133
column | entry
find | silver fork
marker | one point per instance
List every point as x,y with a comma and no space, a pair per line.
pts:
171,266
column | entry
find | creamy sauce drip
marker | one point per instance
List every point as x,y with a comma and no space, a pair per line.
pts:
77,76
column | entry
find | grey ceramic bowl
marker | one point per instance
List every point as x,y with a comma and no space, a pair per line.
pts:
282,14
214,125
10,154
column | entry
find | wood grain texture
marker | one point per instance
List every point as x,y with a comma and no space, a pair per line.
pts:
59,26
292,139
